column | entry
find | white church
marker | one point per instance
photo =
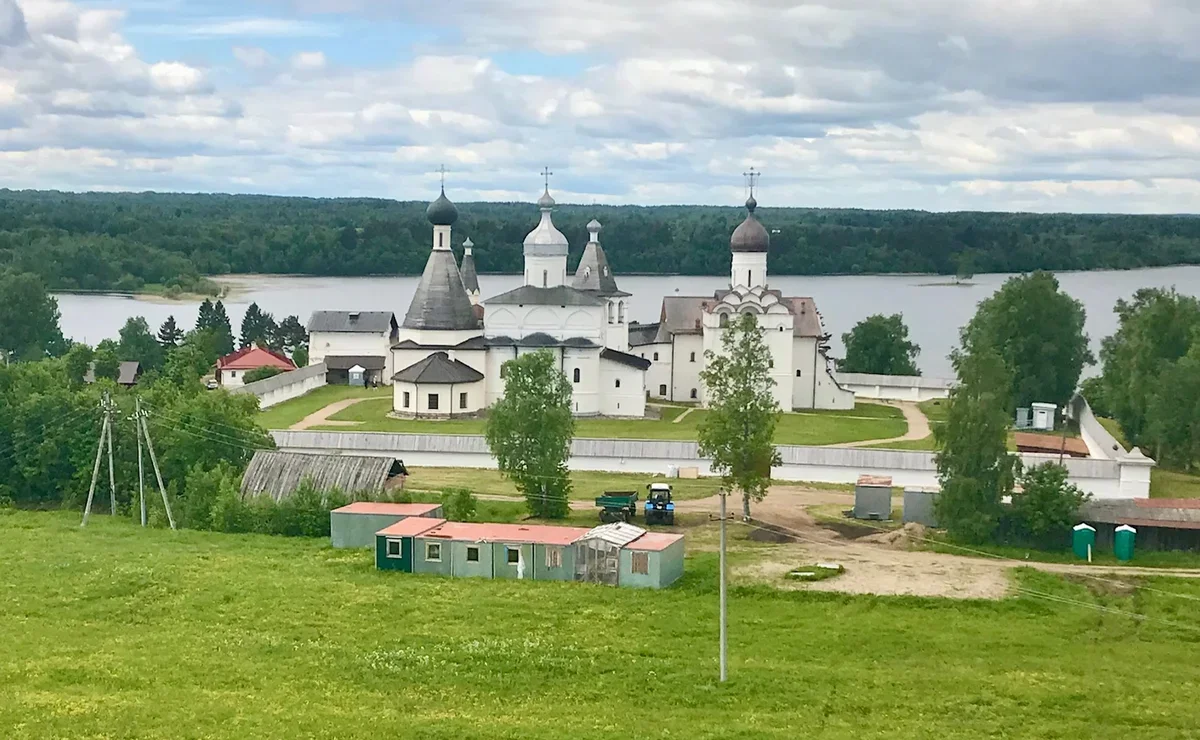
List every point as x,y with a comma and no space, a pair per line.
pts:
445,358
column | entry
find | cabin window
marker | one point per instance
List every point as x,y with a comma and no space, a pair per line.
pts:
656,357
233,373
576,375
462,400
640,563
545,278
472,554
618,382
512,555
433,551
393,548
407,399
553,557
694,393
693,357
662,390
433,402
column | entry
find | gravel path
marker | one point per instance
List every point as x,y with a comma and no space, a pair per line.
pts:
321,417
918,426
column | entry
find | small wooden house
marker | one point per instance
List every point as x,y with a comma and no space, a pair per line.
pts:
616,554
355,525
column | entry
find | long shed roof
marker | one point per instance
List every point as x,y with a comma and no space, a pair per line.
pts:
278,474
383,507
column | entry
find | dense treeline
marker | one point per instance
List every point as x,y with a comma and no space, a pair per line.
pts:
125,240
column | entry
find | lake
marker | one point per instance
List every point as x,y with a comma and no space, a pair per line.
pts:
933,306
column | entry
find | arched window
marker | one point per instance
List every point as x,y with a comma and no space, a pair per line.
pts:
656,357
618,382
694,393
612,312
620,312
576,375
693,357
587,273
724,320
545,278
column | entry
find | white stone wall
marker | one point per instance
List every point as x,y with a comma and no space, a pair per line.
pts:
748,269
545,272
560,322
285,386
622,390
686,373
232,378
585,393
616,328
658,377
352,344
449,399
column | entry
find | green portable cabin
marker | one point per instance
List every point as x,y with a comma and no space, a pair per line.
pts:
355,525
482,550
394,545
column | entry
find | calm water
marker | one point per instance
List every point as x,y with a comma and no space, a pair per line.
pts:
933,307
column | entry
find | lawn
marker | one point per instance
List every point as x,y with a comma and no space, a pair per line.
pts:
587,485
1170,484
866,421
121,632
935,411
288,413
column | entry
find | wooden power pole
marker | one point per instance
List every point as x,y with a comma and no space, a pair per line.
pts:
106,407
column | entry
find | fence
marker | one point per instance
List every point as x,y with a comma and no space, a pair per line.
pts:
285,386
1102,478
895,387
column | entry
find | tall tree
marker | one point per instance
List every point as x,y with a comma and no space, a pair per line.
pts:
107,362
292,336
257,328
1173,415
28,318
738,429
139,345
1155,330
974,467
1037,330
879,344
169,333
529,432
78,361
206,317
221,329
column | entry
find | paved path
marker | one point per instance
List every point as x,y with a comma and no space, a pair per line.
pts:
321,417
918,426
681,416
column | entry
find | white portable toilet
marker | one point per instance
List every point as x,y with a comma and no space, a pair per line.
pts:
1043,416
358,376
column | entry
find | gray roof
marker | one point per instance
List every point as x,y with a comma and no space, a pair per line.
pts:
593,273
640,334
354,322
624,358
1168,513
345,362
540,339
438,369
682,315
472,343
441,212
470,278
559,295
278,474
441,302
127,373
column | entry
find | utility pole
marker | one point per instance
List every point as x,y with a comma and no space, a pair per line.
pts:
154,462
137,415
106,406
723,631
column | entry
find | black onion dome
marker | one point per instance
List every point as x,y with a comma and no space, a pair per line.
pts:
750,235
441,212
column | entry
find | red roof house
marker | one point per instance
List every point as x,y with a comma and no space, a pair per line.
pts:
232,368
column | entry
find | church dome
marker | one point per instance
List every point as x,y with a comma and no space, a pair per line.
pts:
441,212
750,235
546,239
545,201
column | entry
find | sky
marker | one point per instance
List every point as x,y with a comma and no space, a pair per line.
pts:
1030,105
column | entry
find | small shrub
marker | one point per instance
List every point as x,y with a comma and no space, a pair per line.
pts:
261,373
459,505
1047,505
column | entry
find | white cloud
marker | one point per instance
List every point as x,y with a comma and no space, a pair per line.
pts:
253,57
250,27
309,61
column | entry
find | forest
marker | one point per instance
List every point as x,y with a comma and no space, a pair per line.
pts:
132,241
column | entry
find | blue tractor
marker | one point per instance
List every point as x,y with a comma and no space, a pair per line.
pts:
660,509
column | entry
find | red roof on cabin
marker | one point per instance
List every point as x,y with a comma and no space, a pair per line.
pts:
654,541
539,534
410,527
374,507
251,358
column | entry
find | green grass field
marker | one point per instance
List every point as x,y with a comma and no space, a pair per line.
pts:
866,421
116,632
587,485
288,413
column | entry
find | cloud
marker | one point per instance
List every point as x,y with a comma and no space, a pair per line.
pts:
309,61
249,27
253,57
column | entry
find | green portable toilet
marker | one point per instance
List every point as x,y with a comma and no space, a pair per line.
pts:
1123,542
1083,541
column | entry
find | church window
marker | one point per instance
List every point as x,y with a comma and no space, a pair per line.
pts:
407,399
656,357
724,320
612,312
797,373
462,400
545,278
618,382
440,237
662,390
621,312
694,393
587,273
576,375
693,357
605,271
433,402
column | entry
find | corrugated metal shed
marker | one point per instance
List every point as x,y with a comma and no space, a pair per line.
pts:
278,474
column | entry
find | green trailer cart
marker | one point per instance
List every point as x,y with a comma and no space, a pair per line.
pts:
617,506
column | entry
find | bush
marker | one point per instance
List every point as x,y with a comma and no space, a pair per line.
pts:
261,373
1097,397
203,487
459,505
1046,506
